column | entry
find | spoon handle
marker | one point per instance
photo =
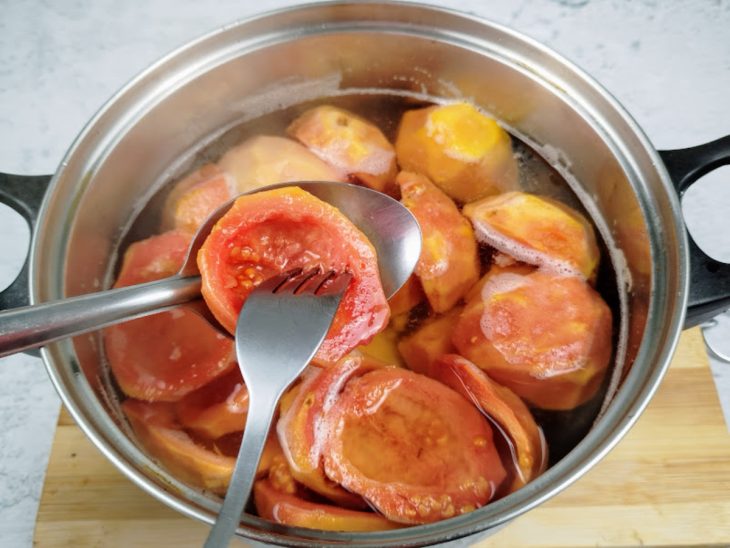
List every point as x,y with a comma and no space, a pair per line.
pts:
260,413
32,326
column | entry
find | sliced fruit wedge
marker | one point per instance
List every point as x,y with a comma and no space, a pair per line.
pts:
416,450
504,408
349,143
301,427
463,151
545,337
279,507
265,160
275,231
218,408
195,197
429,342
449,264
202,463
156,427
167,355
538,231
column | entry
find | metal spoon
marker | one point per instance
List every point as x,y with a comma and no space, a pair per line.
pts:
391,228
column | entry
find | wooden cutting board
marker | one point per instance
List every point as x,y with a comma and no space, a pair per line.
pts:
667,483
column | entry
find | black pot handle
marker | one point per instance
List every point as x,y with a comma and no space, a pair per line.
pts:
709,292
24,194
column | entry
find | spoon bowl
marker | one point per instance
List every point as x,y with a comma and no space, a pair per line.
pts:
391,228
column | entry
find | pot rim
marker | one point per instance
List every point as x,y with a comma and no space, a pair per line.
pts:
652,358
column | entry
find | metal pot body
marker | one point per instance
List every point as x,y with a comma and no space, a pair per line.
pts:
152,128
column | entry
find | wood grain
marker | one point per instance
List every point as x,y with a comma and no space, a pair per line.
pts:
666,484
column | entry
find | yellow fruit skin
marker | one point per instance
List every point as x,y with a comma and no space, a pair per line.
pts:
464,152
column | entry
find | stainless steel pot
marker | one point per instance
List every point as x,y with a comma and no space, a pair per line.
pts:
152,128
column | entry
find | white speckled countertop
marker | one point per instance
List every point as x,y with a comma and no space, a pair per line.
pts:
668,62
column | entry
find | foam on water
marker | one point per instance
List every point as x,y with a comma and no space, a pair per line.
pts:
486,234
376,162
503,283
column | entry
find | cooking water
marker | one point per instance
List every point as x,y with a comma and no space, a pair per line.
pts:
562,429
